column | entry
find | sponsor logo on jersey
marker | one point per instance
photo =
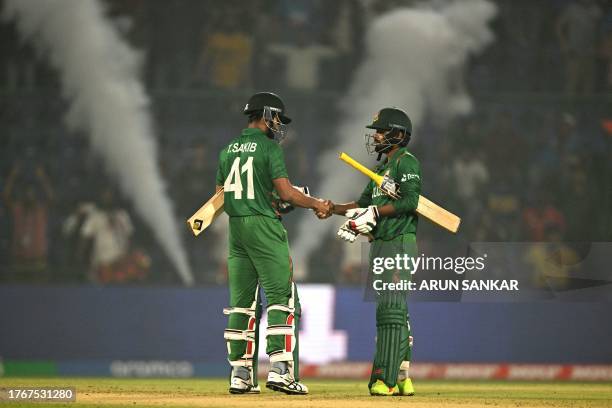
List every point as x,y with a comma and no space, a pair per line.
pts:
409,176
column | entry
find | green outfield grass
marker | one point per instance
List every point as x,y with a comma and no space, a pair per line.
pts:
103,392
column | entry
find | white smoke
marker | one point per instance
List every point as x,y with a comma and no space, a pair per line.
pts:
414,59
99,76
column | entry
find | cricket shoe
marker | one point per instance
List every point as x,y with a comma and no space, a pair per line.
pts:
241,382
379,388
405,387
240,386
285,383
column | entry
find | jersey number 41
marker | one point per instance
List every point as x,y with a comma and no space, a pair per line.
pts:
233,182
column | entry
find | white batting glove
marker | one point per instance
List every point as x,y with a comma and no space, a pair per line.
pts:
362,220
346,233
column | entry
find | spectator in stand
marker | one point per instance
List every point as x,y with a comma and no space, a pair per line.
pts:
28,205
562,146
110,228
296,16
553,261
540,215
302,61
504,209
225,61
76,250
470,174
577,31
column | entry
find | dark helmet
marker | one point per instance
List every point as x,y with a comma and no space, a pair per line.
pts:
271,108
262,100
396,126
391,118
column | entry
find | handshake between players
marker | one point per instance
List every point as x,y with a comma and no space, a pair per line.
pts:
360,220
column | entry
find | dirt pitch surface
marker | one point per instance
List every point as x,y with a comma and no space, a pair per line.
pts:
109,392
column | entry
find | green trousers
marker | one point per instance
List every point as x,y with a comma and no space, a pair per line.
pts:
392,326
259,254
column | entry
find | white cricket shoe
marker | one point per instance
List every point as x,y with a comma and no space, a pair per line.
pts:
241,386
285,383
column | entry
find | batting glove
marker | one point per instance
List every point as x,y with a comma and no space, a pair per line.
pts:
362,220
346,233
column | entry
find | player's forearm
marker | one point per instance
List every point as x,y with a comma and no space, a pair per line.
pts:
298,199
287,192
341,209
387,210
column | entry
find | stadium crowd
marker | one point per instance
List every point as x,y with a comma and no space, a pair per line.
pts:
532,162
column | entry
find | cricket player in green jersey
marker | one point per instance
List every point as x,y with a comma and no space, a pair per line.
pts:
391,225
253,175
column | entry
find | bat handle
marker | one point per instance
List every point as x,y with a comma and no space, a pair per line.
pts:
358,166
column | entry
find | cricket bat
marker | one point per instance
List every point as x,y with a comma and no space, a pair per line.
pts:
213,207
206,214
426,208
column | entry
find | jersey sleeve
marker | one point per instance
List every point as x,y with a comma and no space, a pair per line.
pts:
366,196
409,178
276,161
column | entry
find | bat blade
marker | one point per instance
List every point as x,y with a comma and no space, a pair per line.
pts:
206,214
438,215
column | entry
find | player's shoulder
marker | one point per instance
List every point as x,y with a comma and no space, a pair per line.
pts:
270,146
267,142
407,158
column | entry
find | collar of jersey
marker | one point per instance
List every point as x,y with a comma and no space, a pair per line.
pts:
252,132
396,156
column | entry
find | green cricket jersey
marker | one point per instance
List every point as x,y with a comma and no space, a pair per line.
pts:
405,170
247,167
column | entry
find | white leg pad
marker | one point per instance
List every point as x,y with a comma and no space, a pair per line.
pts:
248,335
281,356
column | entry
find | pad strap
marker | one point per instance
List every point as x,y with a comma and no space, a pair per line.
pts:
282,308
243,362
244,310
280,329
281,356
232,334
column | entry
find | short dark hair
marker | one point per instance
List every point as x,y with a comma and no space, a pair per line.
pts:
255,116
